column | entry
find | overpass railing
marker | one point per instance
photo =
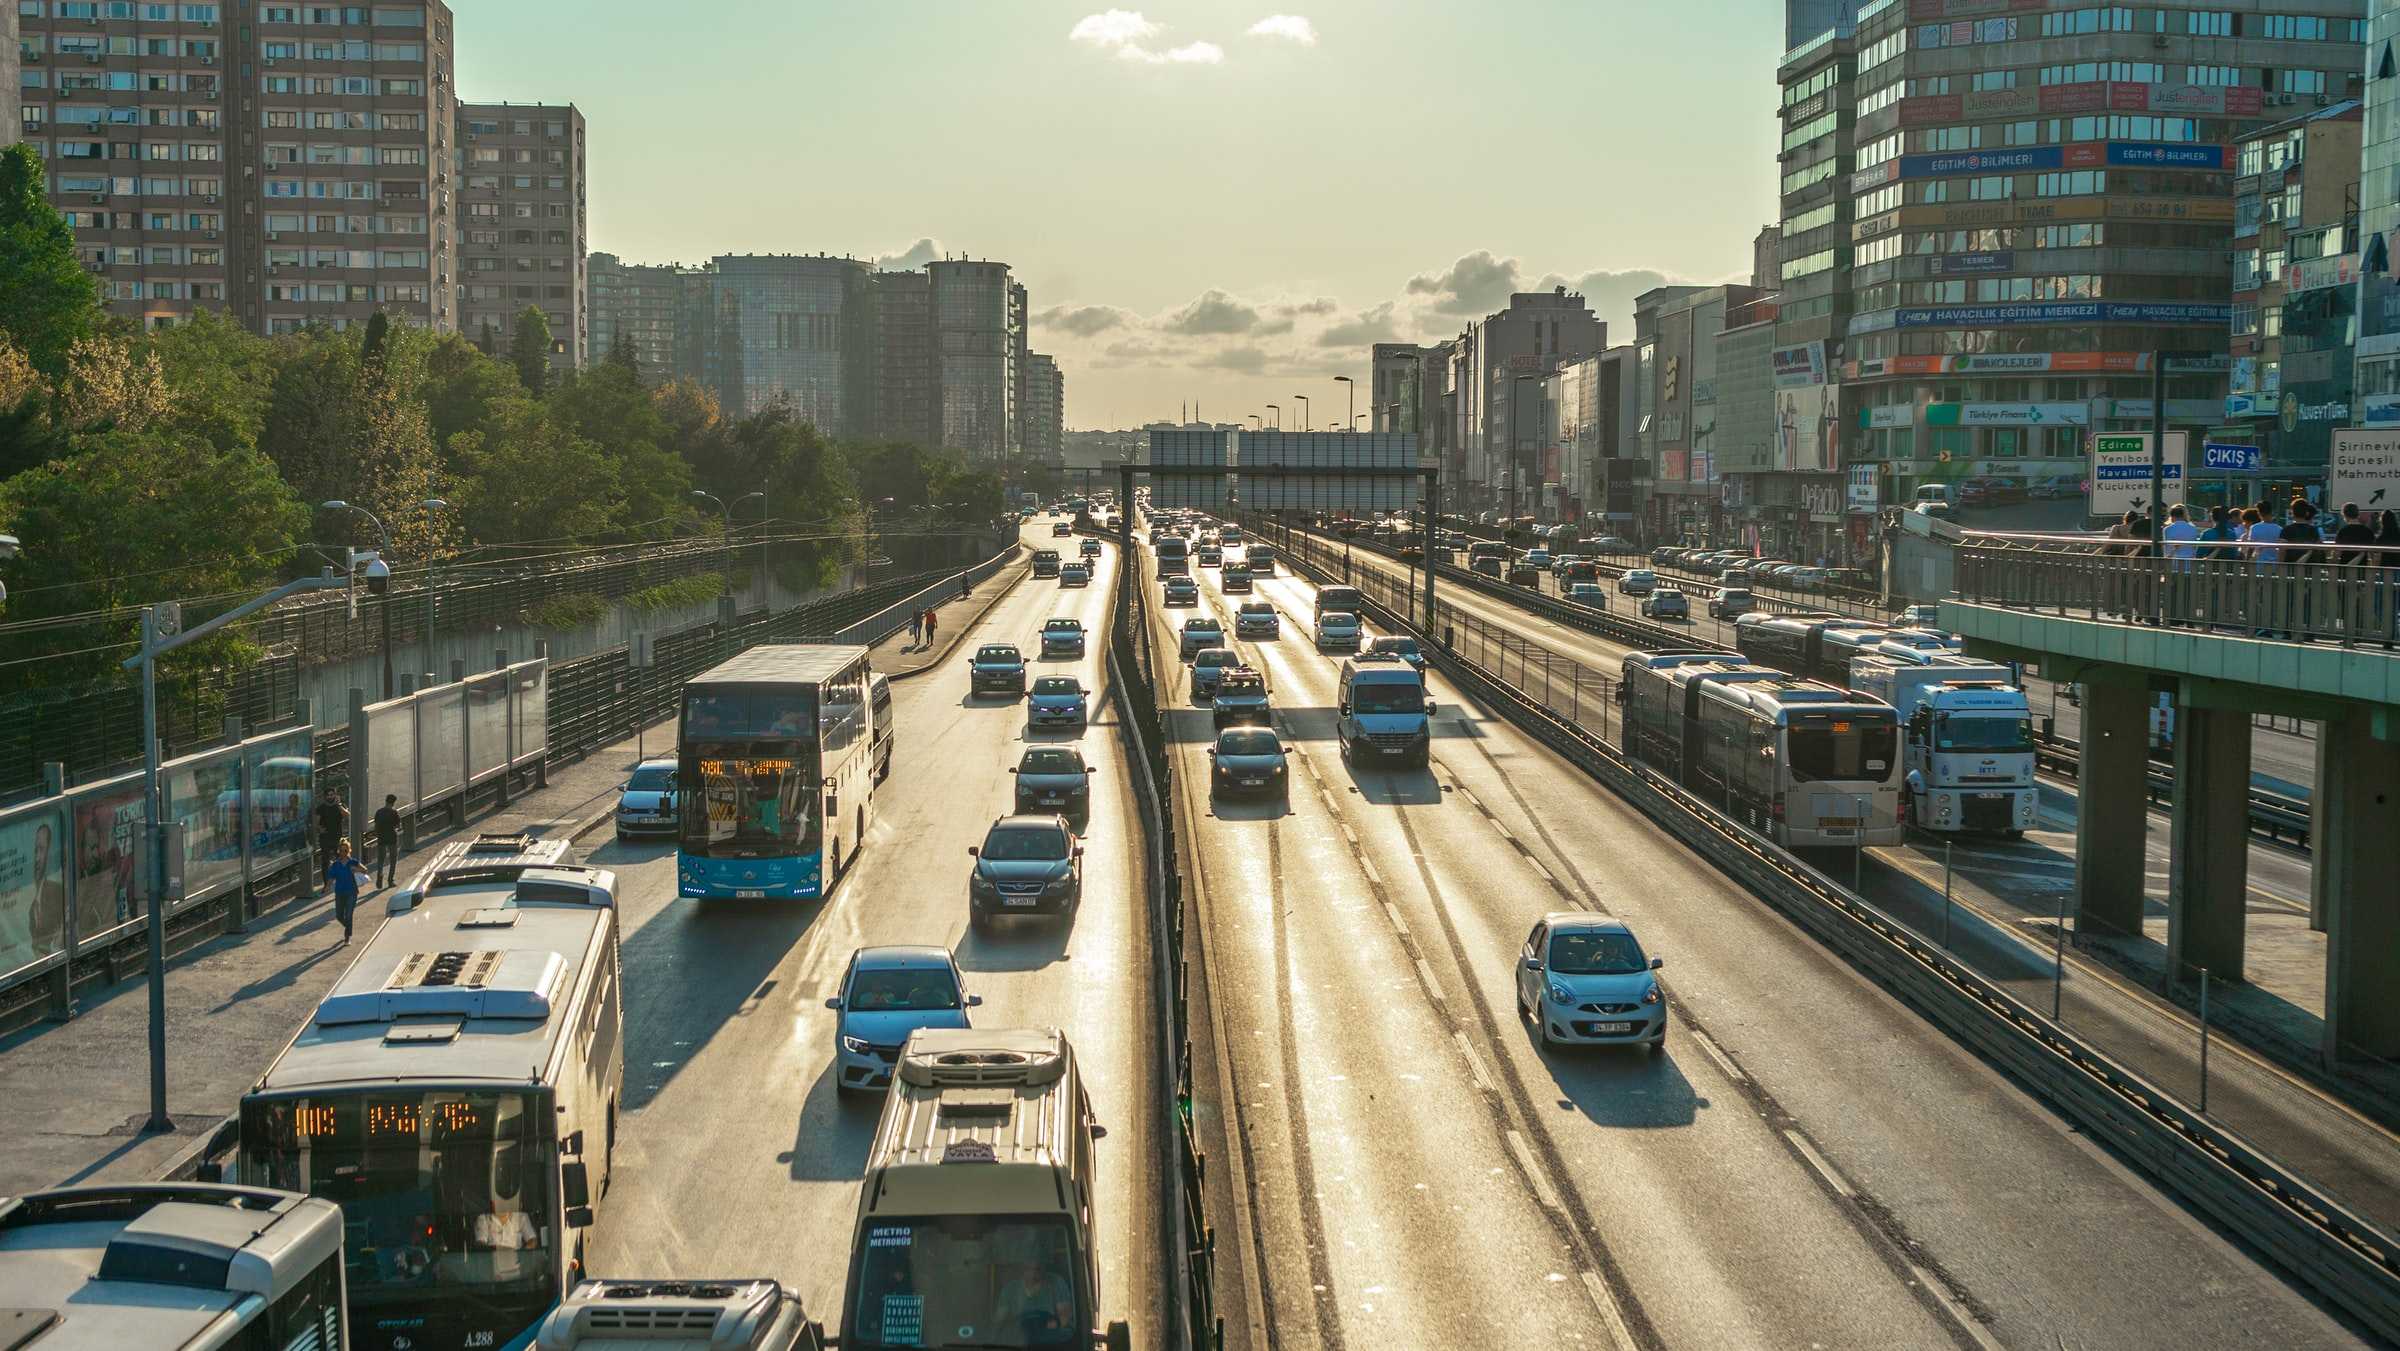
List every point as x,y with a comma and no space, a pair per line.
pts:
2345,594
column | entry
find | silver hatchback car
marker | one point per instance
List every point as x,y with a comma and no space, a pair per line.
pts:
1584,980
888,993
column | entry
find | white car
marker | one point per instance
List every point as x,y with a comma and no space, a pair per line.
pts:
1257,619
1637,582
1338,629
887,994
1584,980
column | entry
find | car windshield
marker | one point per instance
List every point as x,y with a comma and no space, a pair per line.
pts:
1984,732
1063,626
997,655
1025,844
1338,620
967,1280
893,990
1214,656
1252,742
1388,697
652,779
1592,953
1240,684
1406,647
1057,685
1258,609
1050,760
1201,629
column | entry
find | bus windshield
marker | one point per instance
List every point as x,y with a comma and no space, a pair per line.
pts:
753,799
1862,751
968,1280
440,1189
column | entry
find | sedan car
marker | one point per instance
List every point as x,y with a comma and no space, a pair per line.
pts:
1026,865
1055,779
1058,700
1241,696
1257,619
1237,578
1209,555
996,668
1248,761
646,801
1393,645
1063,529
1200,631
1637,582
1731,602
1666,602
1338,629
1588,593
1181,591
886,994
1091,548
1584,980
1210,664
1075,574
1062,638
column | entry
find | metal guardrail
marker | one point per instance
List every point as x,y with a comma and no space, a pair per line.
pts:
2246,589
2343,1256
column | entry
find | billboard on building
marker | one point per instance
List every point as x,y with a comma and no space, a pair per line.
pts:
1805,439
1190,447
1797,366
1316,465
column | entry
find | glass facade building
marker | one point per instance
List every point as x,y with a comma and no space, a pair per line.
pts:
975,347
2377,388
800,333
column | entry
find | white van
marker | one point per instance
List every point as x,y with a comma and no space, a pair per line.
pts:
975,1221
1384,714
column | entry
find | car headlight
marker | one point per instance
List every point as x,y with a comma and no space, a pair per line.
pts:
1062,883
981,882
854,1045
1650,996
1560,994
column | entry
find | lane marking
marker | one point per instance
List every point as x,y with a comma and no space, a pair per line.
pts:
1367,865
1397,922
1474,1062
1349,834
1433,988
1606,1303
1709,1048
1542,1190
1817,1164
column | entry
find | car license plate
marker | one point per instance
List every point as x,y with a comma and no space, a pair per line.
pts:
1052,801
1019,900
1838,822
1611,1029
1254,783
750,894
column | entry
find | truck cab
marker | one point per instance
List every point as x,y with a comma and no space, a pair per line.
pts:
1966,743
1383,714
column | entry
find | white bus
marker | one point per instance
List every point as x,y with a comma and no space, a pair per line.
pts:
776,762
171,1264
456,1094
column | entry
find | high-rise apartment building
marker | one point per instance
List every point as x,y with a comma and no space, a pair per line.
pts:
522,235
1395,387
2040,202
1043,413
1788,492
1020,323
639,303
1766,257
906,376
2377,391
288,163
1804,19
977,315
10,64
1496,375
791,329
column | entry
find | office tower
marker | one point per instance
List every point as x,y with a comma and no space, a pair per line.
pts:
290,164
1043,413
640,303
795,330
522,234
975,322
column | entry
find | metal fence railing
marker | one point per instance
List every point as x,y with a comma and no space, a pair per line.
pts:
2229,586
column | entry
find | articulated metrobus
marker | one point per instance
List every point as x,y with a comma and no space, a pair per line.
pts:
456,1095
776,758
171,1264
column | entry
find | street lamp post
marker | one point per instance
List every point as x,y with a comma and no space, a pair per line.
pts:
1516,427
1262,422
1352,386
1277,410
1303,398
379,574
433,578
763,574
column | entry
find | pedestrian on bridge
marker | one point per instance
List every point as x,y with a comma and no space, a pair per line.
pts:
929,624
916,629
346,874
332,823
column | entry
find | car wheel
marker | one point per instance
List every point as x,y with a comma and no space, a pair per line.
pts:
843,1089
979,921
622,837
1541,1026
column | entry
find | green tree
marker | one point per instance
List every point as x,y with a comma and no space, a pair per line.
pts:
523,477
487,341
47,299
311,428
134,517
607,406
221,375
529,349
621,353
462,385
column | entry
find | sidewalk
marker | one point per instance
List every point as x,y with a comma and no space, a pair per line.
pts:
74,1096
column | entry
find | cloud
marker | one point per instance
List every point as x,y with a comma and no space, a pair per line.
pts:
1320,306
1476,284
1115,28
1611,294
911,258
1290,27
1083,321
1367,327
1125,32
1213,314
1243,360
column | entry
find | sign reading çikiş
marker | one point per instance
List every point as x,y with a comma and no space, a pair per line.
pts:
2219,457
2364,467
2121,471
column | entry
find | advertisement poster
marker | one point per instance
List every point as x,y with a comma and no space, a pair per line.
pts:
1805,438
205,799
33,887
109,884
1797,366
282,780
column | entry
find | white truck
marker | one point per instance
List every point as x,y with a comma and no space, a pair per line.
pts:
1966,741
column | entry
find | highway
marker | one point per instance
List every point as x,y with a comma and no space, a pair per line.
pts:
1396,1163
737,1157
2020,887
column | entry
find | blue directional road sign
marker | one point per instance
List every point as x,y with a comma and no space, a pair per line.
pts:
2219,457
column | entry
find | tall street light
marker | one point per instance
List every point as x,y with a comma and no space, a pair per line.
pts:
433,563
1303,398
762,536
1352,386
1516,428
1262,422
1277,410
379,581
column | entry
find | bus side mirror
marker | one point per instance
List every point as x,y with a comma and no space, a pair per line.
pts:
575,1188
403,901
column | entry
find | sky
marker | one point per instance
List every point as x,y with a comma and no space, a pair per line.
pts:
1212,202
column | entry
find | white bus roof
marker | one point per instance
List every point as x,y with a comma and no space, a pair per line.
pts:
778,662
478,983
101,1268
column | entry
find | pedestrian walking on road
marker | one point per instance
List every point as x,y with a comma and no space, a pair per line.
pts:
332,824
345,873
916,629
929,625
387,840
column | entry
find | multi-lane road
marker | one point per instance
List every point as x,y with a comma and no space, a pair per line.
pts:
1393,1161
1398,1164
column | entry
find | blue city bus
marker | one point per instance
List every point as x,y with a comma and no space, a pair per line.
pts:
775,767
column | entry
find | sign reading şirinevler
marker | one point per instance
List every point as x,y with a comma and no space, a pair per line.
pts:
2120,475
2364,467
